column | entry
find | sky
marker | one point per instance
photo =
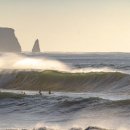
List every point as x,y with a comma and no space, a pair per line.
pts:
69,25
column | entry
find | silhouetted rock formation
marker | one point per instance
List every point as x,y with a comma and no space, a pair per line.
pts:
36,47
8,41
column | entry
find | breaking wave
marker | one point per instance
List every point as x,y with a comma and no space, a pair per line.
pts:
93,91
14,61
63,81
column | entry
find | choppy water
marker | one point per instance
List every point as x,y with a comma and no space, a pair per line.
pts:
100,99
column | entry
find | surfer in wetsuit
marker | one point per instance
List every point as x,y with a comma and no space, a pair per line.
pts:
49,91
40,93
23,93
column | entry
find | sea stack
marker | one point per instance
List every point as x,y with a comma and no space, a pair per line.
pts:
36,47
8,40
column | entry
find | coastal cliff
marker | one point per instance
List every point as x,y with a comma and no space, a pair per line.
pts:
8,40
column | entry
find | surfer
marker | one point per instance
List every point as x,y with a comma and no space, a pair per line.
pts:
40,93
23,93
49,91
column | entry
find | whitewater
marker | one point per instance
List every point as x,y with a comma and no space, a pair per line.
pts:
89,91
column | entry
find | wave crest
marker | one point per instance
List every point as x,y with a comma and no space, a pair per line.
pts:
63,81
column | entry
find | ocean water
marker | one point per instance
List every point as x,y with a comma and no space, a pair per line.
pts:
88,89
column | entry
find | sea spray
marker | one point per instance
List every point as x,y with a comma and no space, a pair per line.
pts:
13,61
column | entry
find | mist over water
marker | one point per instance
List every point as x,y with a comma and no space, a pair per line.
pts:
21,62
13,61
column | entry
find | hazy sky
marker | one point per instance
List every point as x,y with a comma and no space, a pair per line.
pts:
69,25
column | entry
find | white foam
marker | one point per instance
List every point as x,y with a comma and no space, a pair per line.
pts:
21,62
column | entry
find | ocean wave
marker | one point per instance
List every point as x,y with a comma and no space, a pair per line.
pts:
54,108
63,81
8,95
13,61
65,103
73,128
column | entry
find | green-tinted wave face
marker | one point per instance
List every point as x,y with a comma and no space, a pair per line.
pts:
62,81
4,95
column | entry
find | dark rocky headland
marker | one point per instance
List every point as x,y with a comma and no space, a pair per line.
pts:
8,40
